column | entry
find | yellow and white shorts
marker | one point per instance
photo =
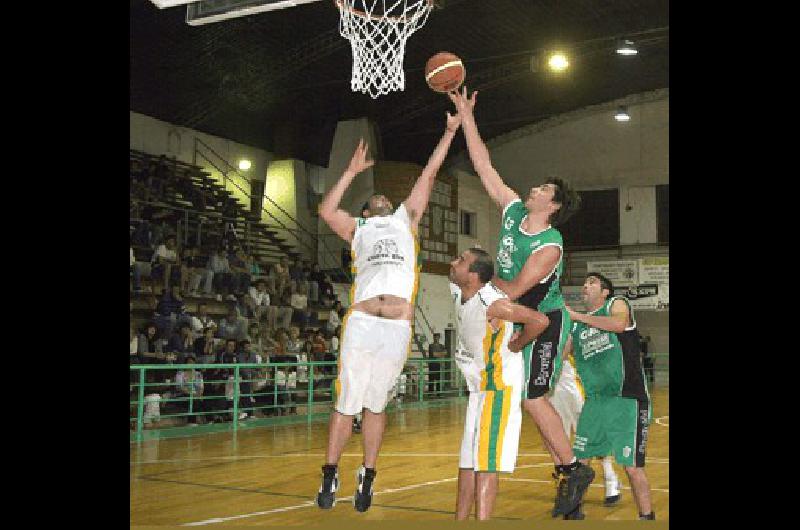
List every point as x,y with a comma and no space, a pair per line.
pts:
373,353
491,431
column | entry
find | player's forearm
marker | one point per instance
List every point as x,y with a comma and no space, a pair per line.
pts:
330,203
478,153
613,324
418,198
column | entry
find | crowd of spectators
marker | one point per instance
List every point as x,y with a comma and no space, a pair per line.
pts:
271,313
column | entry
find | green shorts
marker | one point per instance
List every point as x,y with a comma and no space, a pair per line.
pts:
542,358
613,426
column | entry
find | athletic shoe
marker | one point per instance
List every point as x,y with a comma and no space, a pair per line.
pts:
572,487
611,500
326,497
649,517
363,496
612,493
575,515
555,512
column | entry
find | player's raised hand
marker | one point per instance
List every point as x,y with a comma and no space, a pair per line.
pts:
359,161
453,122
461,101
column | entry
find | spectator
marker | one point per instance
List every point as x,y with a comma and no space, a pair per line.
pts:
280,273
150,351
437,367
307,319
202,320
246,355
315,276
142,270
189,385
257,343
334,319
240,271
255,268
222,277
181,343
170,311
233,326
283,313
327,296
196,271
205,347
257,300
166,265
299,302
299,282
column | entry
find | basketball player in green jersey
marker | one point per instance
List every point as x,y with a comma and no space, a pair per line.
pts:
617,411
529,265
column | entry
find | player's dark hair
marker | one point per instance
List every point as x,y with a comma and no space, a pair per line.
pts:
483,264
605,283
568,198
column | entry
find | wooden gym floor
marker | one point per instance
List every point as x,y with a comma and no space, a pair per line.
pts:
270,475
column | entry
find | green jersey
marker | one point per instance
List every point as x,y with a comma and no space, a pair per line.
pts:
608,363
513,250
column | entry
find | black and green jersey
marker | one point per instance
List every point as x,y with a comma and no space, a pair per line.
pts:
608,363
514,248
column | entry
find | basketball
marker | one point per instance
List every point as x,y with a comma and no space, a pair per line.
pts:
444,72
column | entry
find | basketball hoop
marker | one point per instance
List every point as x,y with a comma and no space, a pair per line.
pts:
377,31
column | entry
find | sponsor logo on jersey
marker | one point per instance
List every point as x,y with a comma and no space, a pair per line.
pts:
385,249
544,374
507,249
509,223
536,243
594,341
626,451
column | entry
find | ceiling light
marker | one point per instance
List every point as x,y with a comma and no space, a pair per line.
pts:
626,47
244,164
622,114
558,62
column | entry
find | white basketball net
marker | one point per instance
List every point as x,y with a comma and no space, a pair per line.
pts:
377,31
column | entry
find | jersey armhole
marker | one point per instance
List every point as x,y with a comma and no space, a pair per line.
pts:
505,210
630,310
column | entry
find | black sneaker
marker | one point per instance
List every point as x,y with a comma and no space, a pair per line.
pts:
612,500
363,497
572,487
649,517
555,511
326,498
575,515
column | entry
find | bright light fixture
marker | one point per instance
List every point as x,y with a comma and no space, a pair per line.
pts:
622,114
244,164
626,47
558,62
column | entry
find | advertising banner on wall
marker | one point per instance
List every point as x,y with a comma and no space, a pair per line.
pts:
654,270
620,272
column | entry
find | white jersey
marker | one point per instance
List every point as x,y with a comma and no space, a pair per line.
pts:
384,257
482,353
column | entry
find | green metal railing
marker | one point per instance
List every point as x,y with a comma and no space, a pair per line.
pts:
280,393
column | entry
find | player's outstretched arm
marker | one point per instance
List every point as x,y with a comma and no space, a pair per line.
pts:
536,268
534,322
616,323
340,221
417,200
478,153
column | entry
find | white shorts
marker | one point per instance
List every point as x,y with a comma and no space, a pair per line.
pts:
567,399
491,431
373,353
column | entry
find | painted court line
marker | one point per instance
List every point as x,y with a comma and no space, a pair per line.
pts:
310,503
660,422
303,455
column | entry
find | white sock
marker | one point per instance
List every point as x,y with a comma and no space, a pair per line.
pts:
611,480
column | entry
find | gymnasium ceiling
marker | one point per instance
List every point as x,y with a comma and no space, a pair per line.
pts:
280,80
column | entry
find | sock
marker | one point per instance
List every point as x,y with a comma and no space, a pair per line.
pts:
610,478
330,468
569,468
369,472
649,517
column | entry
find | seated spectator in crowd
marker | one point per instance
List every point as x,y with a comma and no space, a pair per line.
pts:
232,326
205,347
327,296
257,300
334,317
255,268
134,345
181,343
150,351
170,311
222,277
201,319
283,313
298,278
189,386
246,355
299,302
315,276
306,318
240,272
141,270
196,272
166,265
257,342
285,376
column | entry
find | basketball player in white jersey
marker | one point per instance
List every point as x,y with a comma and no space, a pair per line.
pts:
376,332
568,398
488,355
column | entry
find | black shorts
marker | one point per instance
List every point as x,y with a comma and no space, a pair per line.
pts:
542,357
